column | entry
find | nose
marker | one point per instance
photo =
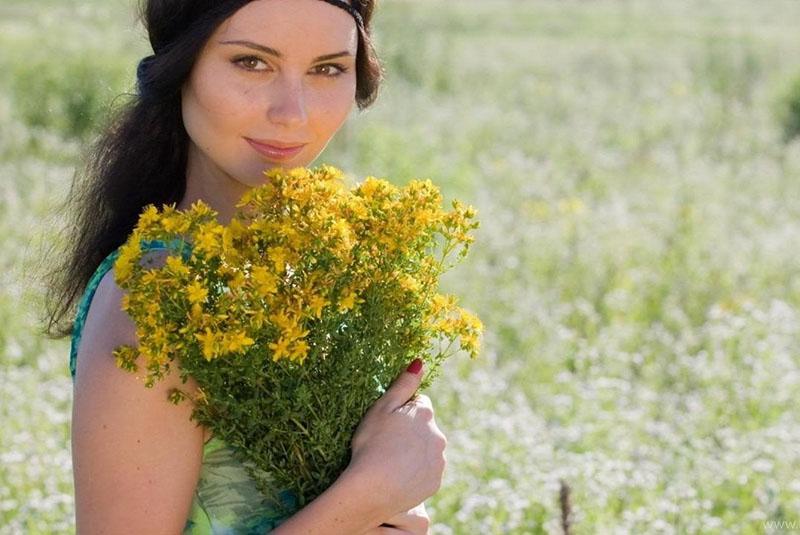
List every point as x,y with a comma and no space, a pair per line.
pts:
288,107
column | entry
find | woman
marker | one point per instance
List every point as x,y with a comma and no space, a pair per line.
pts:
233,88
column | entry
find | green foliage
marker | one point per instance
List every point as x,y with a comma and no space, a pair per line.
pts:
729,67
424,62
71,96
787,109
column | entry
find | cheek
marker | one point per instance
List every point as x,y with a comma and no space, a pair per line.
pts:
331,107
216,108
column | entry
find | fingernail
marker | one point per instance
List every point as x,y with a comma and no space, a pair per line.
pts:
415,366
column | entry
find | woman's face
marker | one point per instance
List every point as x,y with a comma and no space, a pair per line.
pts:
278,72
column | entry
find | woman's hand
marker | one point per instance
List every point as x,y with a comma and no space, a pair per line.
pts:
397,449
413,522
397,462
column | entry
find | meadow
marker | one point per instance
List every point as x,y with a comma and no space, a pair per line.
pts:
636,268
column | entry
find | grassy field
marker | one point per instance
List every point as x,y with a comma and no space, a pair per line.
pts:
636,267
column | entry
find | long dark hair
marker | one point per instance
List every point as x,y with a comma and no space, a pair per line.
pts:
140,158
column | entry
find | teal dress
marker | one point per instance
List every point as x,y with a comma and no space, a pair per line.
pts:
226,500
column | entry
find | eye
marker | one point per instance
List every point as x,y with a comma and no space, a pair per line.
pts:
330,70
249,63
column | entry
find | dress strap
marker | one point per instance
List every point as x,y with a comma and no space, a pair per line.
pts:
94,282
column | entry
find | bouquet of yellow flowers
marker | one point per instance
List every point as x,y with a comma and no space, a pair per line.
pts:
295,316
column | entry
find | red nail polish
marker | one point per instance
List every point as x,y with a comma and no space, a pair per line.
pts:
415,366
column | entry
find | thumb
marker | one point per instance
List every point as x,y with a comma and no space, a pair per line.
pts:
405,385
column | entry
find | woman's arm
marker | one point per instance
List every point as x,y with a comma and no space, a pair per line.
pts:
343,509
136,456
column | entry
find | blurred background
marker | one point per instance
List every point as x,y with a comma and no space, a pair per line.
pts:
635,166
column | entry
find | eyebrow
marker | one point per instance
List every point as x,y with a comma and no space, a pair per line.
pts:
272,52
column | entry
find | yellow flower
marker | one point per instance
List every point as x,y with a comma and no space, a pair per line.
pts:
342,229
301,195
357,207
196,292
258,318
348,301
158,336
176,223
281,320
208,239
315,305
278,256
200,210
125,357
176,266
447,326
409,283
148,217
150,276
295,332
209,341
299,351
469,330
294,239
236,341
441,303
151,320
128,257
279,349
373,187
266,283
231,234
196,312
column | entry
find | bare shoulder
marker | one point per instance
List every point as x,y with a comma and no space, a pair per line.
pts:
106,321
136,456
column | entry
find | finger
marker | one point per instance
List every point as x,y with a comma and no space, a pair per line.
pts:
404,386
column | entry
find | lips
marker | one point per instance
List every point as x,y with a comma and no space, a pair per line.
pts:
276,150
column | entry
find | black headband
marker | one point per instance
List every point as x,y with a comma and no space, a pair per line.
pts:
350,9
145,62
